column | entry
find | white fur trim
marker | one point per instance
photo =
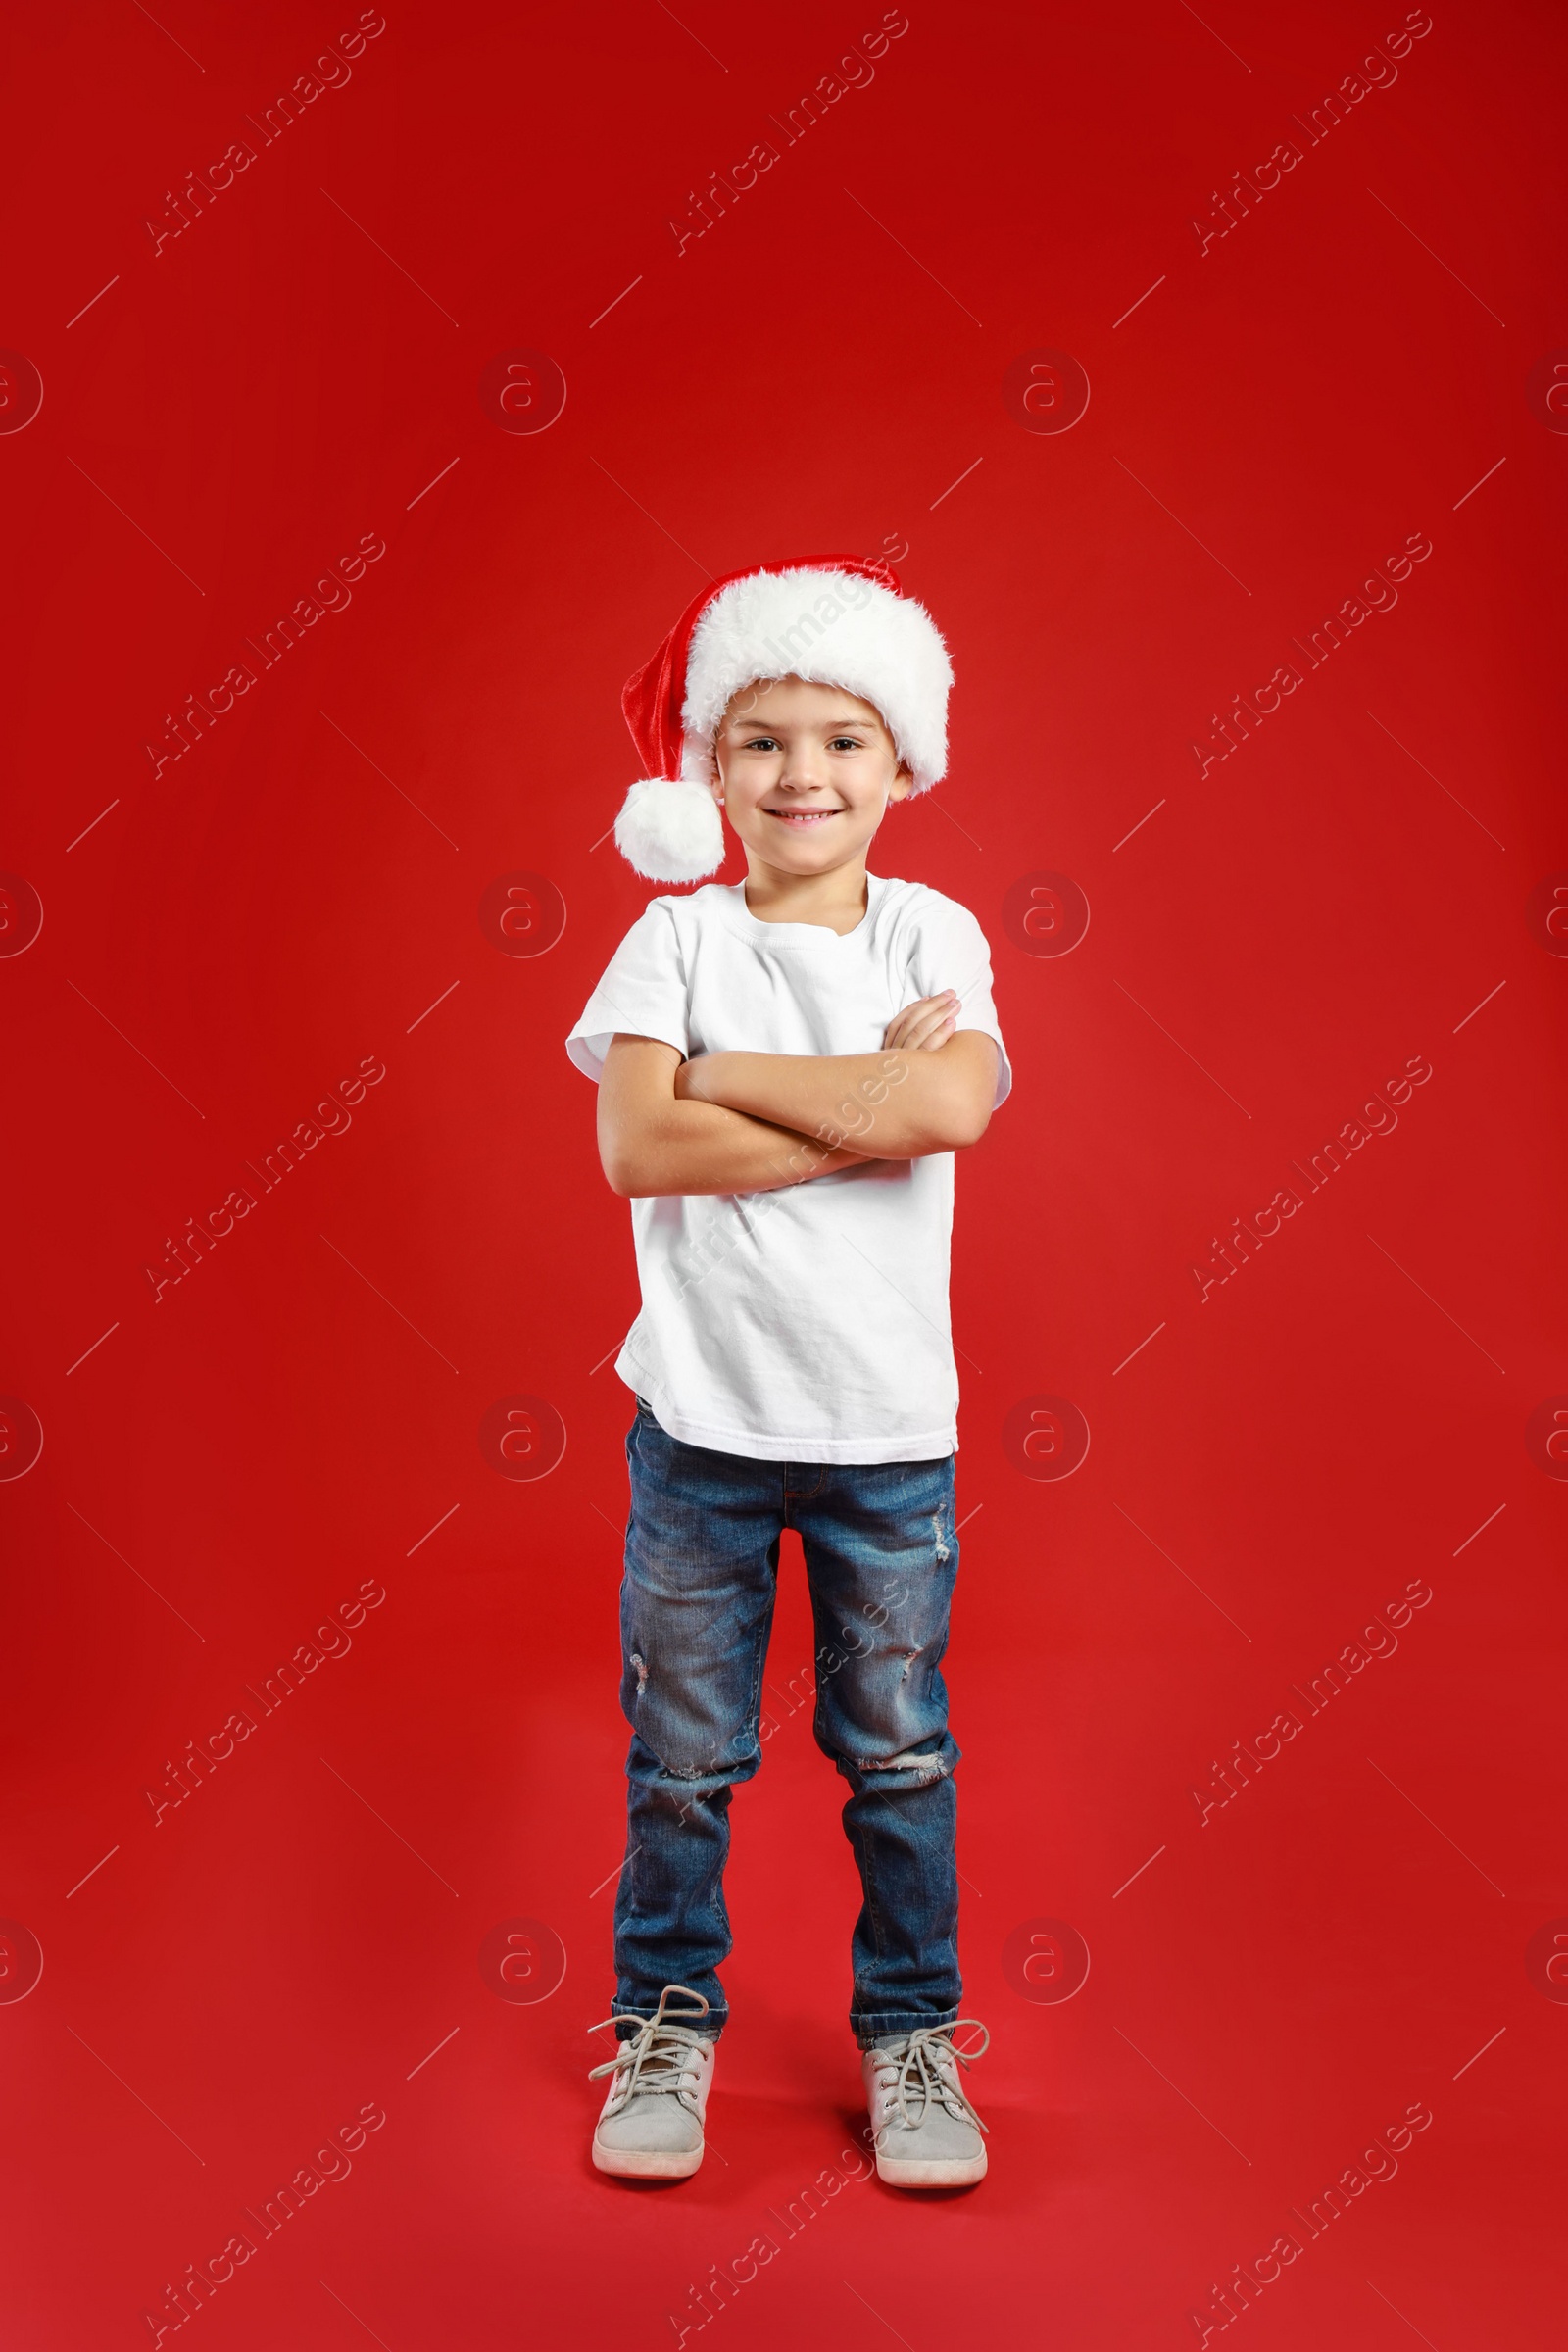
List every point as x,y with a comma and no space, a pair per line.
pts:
669,831
832,628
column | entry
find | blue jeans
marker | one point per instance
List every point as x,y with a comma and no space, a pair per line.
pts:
696,1608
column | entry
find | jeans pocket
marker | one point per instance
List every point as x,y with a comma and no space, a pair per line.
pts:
644,1426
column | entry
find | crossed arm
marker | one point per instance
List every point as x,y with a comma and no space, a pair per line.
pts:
757,1122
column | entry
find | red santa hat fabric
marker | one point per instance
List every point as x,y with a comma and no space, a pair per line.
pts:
835,620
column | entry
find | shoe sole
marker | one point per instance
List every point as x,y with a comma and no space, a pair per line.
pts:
931,2171
647,2164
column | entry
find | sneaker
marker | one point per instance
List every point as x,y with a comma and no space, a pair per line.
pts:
650,2124
927,2135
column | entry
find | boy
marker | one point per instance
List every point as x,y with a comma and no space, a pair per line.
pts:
785,1069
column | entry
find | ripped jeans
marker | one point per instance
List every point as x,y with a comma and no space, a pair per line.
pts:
696,1608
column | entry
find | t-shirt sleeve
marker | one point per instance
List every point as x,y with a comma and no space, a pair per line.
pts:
951,951
643,991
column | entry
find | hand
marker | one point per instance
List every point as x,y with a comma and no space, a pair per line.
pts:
924,1026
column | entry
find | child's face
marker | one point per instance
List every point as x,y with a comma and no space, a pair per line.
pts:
806,773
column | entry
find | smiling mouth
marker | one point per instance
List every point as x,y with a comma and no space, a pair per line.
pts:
802,816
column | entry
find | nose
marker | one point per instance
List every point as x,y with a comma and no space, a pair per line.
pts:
804,767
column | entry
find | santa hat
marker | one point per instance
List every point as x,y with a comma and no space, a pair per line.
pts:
834,621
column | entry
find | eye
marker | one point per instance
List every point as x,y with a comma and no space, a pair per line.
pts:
761,743
847,743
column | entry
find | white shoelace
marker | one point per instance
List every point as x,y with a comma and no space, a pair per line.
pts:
656,2058
923,2067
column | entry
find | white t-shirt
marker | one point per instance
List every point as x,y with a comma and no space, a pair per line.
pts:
808,1324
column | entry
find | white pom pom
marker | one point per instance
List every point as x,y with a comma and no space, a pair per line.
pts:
671,832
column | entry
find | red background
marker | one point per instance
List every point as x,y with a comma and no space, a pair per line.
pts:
232,412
